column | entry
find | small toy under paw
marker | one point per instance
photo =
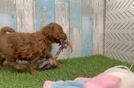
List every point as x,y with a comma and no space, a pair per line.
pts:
46,64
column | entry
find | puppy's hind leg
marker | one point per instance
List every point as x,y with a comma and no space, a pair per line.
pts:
1,62
12,62
32,65
53,60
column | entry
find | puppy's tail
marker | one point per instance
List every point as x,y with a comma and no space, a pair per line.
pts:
6,30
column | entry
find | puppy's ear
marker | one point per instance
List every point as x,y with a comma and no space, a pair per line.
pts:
46,30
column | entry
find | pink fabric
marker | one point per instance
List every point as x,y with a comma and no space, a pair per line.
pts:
47,84
103,81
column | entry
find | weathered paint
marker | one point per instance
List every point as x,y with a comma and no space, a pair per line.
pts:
7,13
98,26
45,12
25,15
62,18
62,14
87,27
8,20
87,8
75,38
75,13
87,36
76,26
7,7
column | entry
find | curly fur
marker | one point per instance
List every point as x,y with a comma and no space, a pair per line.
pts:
6,30
30,46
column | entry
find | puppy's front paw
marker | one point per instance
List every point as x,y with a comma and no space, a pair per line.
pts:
34,72
20,66
1,67
59,65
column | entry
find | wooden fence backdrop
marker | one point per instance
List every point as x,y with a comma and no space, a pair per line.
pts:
79,20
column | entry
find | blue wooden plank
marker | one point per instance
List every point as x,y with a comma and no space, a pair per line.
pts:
8,20
45,8
76,13
87,39
76,26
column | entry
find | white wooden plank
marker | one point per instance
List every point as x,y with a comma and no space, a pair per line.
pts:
7,6
98,26
25,15
62,18
87,7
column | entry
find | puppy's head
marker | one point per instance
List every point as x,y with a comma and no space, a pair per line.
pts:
54,32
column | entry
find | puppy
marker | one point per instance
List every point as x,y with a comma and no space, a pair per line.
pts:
31,46
3,31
